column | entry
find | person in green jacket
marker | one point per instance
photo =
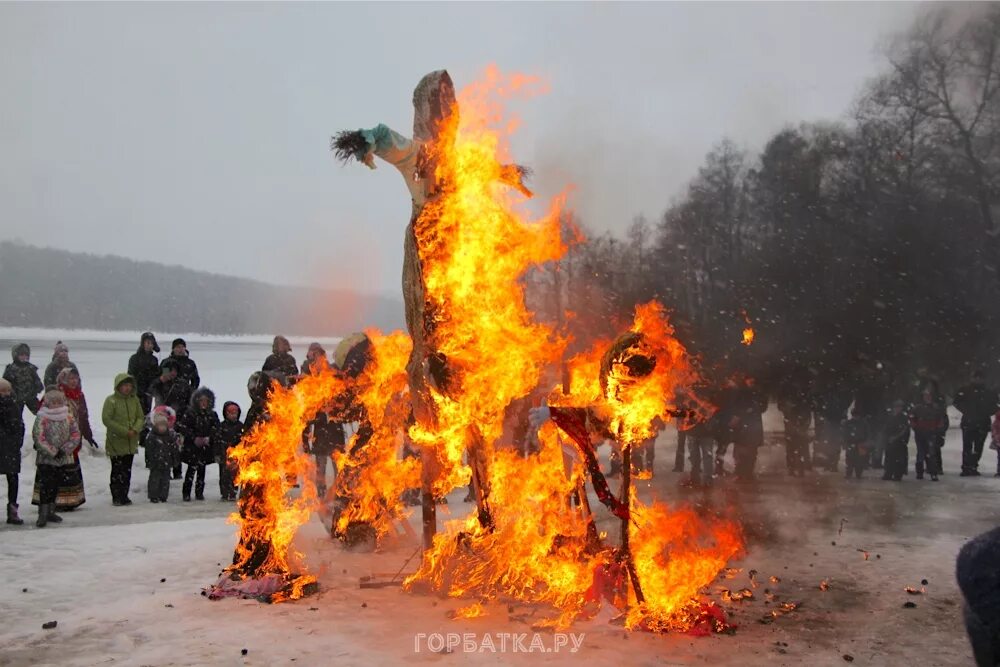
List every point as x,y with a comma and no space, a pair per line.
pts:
123,417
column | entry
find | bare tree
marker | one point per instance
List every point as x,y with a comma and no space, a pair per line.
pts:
947,70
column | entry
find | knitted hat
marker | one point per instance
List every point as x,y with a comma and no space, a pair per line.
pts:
178,341
54,398
60,348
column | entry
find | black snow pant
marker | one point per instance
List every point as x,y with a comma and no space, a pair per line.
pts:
854,460
643,455
199,485
48,483
896,460
745,455
158,486
679,456
973,439
121,477
227,478
12,486
321,461
928,453
796,447
721,447
700,450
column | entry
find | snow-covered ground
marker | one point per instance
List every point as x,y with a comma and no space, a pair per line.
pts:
124,583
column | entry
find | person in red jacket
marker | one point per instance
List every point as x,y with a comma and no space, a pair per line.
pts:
930,422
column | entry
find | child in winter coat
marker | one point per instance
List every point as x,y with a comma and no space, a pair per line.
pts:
56,436
197,427
897,437
163,450
226,437
11,437
930,422
23,377
995,440
855,432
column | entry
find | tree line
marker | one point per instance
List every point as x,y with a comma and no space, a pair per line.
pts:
871,241
45,287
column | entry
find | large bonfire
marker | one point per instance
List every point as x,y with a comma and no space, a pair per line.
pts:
533,535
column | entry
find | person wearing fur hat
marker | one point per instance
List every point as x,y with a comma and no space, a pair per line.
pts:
197,426
23,377
71,492
144,367
280,359
56,436
186,368
11,438
163,451
60,361
227,436
123,418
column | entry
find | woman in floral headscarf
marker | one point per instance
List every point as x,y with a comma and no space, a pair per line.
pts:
71,493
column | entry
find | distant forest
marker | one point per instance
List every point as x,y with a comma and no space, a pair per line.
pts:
866,245
44,287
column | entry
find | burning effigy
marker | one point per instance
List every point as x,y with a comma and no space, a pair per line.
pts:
474,349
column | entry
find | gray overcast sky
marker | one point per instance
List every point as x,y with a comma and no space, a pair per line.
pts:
197,134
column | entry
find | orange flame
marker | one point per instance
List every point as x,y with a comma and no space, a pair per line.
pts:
371,477
268,458
540,547
748,332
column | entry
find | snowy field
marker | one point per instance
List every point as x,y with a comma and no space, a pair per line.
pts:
125,583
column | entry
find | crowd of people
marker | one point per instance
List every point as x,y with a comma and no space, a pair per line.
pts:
163,408
158,406
867,419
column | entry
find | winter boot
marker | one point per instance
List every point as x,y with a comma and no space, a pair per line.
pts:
53,517
12,517
43,513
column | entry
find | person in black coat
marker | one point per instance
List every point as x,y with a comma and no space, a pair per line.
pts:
855,432
227,436
795,406
197,426
280,360
11,439
173,391
978,404
930,423
186,368
163,450
978,572
830,404
747,419
322,437
897,438
23,378
144,367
